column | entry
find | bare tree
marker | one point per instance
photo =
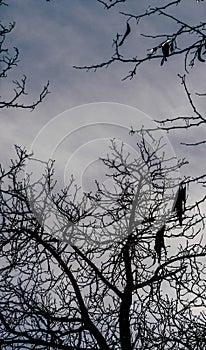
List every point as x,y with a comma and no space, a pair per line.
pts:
129,277
8,62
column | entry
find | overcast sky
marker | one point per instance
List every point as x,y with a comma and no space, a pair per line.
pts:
54,36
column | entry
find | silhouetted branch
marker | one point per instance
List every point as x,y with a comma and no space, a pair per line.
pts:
7,63
192,47
110,3
185,122
19,91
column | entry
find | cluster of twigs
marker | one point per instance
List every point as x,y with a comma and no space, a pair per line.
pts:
8,62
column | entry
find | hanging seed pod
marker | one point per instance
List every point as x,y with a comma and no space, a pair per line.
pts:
128,30
199,54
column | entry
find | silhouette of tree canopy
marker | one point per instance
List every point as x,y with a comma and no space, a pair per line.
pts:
8,62
119,269
102,283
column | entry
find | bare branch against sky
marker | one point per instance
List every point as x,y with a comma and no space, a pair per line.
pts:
102,207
